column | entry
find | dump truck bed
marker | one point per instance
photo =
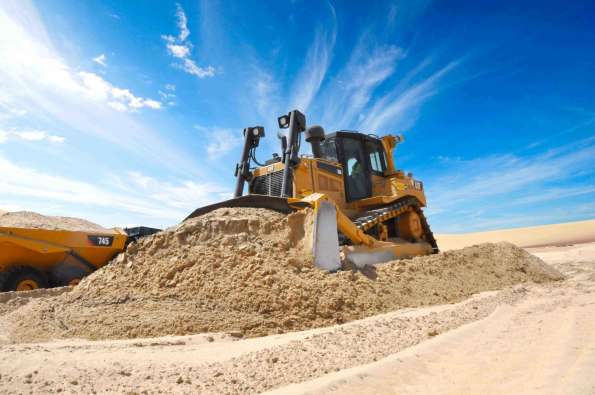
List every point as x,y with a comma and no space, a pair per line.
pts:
42,249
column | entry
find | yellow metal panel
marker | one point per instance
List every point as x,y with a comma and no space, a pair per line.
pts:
42,248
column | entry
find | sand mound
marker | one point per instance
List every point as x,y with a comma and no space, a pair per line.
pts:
27,219
244,270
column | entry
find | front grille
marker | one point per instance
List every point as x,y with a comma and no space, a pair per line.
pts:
270,184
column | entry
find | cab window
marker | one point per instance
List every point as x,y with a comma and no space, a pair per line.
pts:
357,180
329,149
377,158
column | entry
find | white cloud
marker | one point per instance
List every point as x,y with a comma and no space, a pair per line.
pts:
25,59
141,197
117,106
56,139
154,104
35,78
170,87
182,23
101,59
191,68
178,51
33,135
179,47
30,135
220,140
119,99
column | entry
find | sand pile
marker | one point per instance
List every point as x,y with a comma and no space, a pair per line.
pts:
244,270
27,219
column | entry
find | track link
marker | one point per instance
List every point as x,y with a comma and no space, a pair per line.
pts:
377,216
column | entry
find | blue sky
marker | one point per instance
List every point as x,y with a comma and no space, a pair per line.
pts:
131,112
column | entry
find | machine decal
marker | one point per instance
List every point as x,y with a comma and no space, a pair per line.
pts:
401,186
330,168
101,241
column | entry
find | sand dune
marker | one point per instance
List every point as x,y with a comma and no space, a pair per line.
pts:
535,236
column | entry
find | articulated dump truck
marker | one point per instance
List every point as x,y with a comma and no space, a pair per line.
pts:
365,211
42,258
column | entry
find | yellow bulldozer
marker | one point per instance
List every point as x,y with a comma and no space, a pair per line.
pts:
365,210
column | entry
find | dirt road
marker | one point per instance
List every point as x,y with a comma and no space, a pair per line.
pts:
525,339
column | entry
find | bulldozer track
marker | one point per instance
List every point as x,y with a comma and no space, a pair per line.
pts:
377,216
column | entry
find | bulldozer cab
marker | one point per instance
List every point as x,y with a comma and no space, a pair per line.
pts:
361,156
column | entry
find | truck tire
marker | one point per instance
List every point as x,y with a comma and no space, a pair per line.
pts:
3,277
24,278
67,275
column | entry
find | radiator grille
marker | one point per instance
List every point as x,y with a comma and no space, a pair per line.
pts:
270,184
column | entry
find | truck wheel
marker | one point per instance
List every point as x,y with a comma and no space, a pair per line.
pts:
67,275
3,277
24,278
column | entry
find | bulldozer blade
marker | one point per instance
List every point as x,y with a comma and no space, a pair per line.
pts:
325,246
254,201
361,256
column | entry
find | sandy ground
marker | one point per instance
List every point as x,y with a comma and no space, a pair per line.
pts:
546,235
525,339
542,344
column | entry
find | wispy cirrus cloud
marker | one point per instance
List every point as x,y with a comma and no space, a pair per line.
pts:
180,48
265,93
399,107
366,93
310,77
352,90
486,189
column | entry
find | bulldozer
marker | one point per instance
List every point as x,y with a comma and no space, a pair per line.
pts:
365,210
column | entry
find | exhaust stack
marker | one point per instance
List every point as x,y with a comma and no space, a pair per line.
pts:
315,136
